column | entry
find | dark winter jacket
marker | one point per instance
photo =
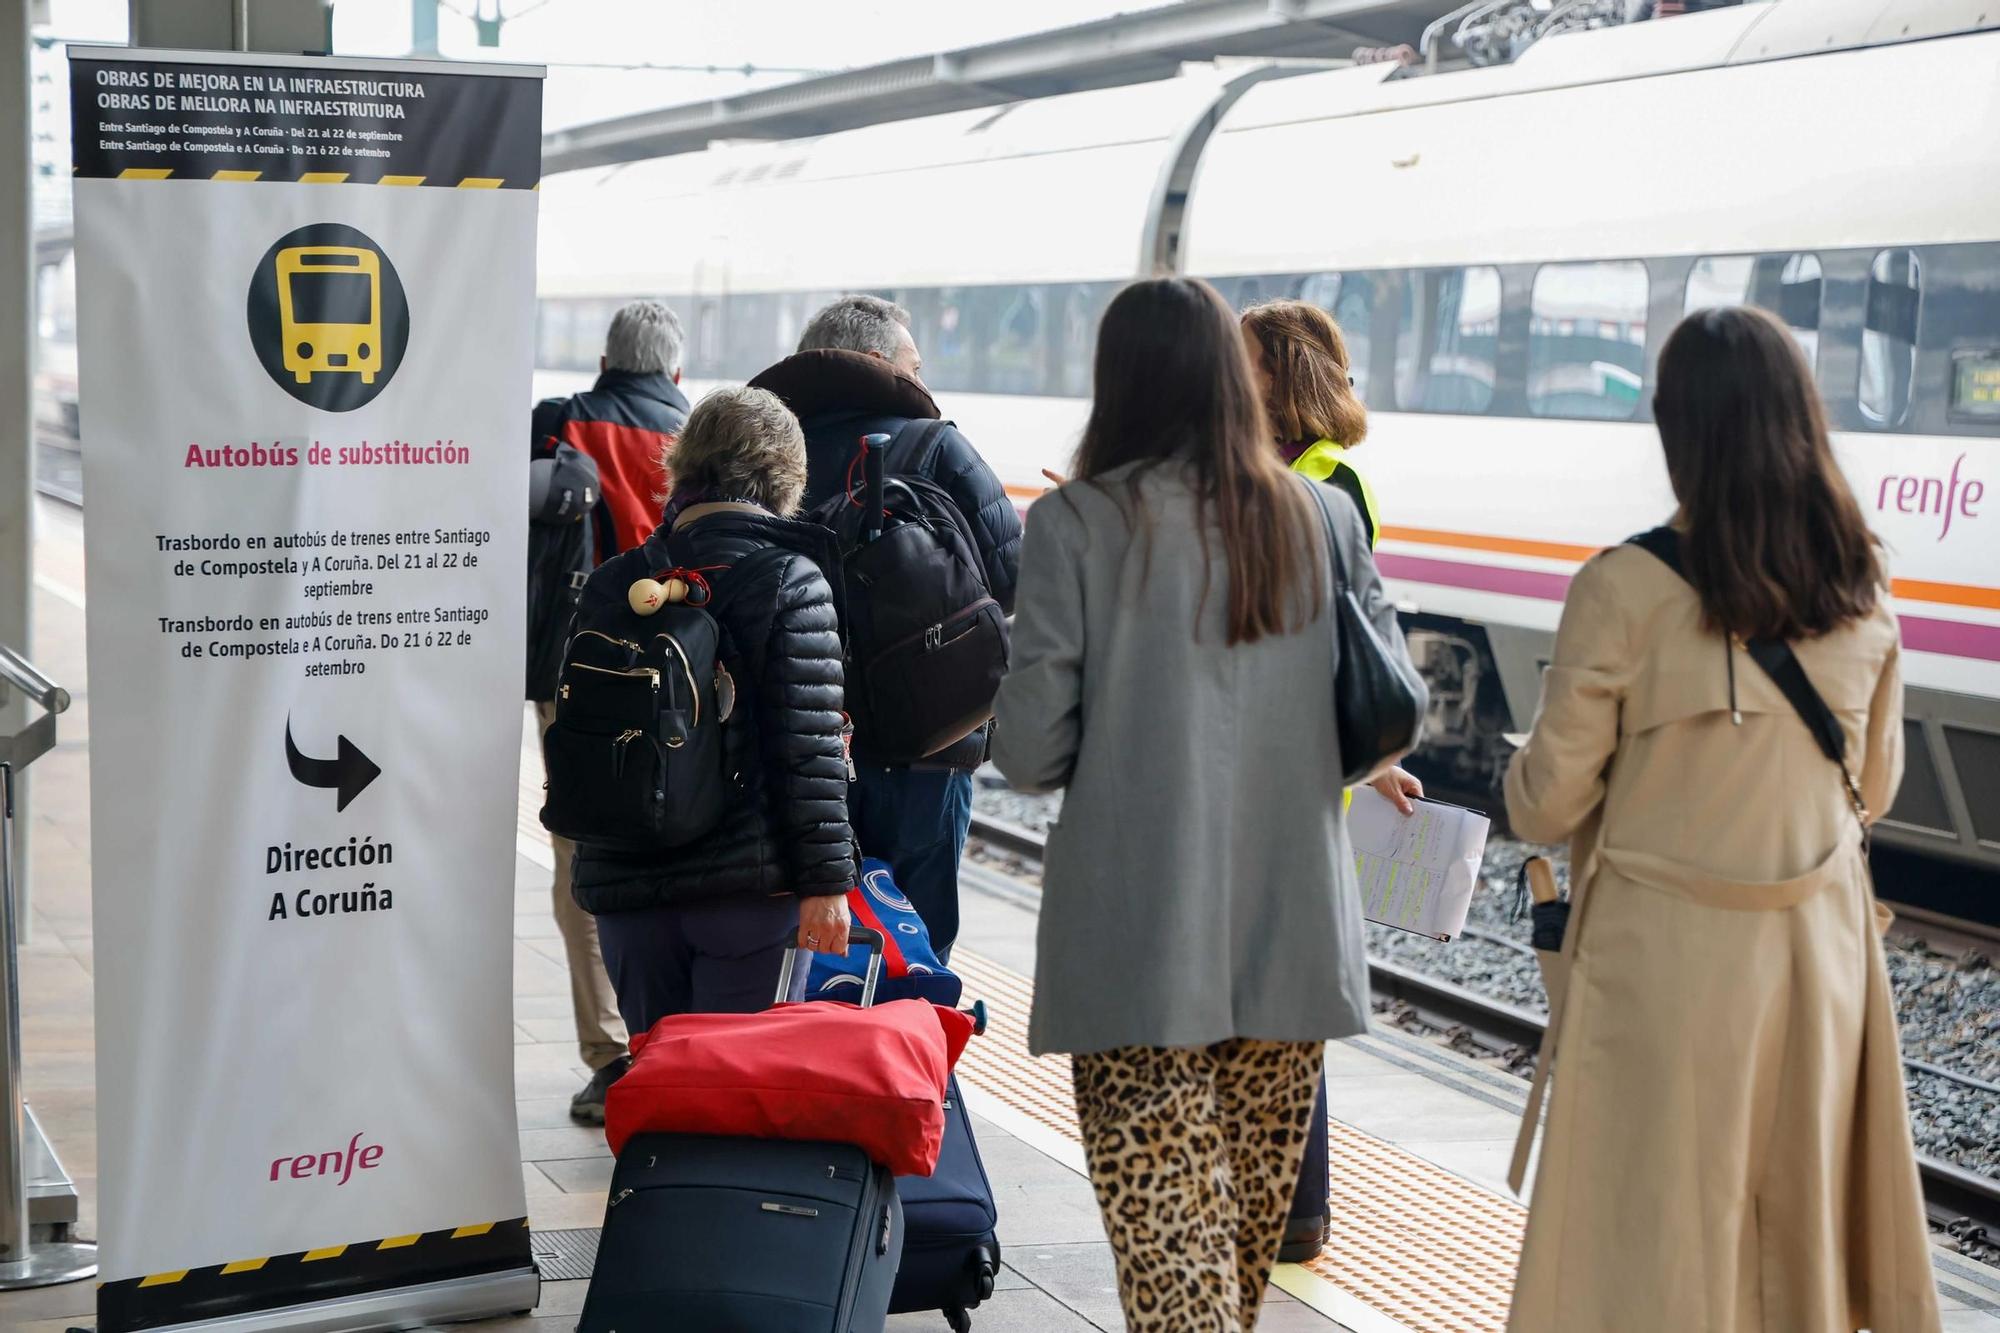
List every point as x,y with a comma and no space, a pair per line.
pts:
624,422
840,396
781,643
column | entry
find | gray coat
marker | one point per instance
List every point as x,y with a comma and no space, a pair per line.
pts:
1199,885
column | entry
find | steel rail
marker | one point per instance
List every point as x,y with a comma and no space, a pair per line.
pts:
1950,1191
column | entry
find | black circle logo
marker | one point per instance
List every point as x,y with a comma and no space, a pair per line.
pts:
328,317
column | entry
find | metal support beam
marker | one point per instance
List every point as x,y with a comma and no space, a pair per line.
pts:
424,27
232,25
17,379
1125,49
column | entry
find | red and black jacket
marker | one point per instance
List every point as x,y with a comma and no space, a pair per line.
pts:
624,422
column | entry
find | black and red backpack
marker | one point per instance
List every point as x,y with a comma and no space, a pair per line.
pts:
925,640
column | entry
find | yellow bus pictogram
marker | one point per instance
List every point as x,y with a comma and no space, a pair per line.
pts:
330,310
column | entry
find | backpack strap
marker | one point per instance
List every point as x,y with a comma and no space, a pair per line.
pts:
915,446
1782,665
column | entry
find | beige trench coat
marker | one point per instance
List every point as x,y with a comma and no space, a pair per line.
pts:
1728,1147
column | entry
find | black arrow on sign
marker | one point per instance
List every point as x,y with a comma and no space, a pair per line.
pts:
348,774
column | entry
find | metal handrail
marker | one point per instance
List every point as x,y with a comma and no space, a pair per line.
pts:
23,675
24,1262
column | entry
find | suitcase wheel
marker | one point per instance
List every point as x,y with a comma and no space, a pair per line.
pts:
960,1321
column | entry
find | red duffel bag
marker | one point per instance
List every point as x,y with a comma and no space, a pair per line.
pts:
824,1071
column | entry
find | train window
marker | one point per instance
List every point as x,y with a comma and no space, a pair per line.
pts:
1786,285
1717,282
948,352
1354,311
793,312
1975,384
1587,340
748,332
1076,347
1889,338
1446,342
1320,289
707,340
552,340
1014,361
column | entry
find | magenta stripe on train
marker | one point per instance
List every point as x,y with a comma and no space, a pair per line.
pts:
1953,638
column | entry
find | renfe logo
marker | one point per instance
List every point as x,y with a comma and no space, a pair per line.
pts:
339,1164
1933,495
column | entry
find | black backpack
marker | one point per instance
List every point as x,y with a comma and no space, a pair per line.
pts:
637,755
925,642
562,492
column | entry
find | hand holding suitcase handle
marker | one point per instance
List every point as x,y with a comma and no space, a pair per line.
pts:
857,934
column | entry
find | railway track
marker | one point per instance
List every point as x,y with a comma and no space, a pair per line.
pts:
1962,1202
1948,903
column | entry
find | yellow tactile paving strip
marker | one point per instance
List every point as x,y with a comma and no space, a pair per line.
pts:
1422,1246
998,1064
1416,1242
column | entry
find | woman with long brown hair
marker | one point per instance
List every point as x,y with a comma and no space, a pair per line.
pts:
1728,1146
1201,927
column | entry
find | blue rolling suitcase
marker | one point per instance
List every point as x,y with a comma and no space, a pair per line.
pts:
714,1235
950,1253
739,1235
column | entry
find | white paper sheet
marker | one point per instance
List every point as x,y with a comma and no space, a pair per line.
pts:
1417,871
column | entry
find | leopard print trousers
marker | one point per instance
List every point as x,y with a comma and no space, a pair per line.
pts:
1195,1154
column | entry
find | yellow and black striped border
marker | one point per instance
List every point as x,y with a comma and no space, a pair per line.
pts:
327,178
246,1285
187,116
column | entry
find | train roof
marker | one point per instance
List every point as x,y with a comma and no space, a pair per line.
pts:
1606,144
1062,188
1032,191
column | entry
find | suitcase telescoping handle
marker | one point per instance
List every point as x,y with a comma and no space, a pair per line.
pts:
856,935
873,447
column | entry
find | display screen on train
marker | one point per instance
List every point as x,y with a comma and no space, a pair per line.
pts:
1975,385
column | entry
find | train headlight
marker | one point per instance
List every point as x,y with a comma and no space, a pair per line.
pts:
305,351
362,351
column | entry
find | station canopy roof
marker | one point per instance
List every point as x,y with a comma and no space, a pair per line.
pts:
1124,49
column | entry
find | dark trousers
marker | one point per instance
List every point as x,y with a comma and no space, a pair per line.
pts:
719,957
1315,1176
916,819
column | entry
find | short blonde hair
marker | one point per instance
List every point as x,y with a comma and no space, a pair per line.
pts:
746,444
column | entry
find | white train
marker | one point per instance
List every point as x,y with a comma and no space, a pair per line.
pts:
1506,247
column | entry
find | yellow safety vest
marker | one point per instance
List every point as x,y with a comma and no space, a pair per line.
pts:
1322,459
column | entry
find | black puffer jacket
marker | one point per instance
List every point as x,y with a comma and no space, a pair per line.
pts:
781,643
840,396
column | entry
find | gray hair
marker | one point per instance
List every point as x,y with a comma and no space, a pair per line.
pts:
746,444
857,324
645,338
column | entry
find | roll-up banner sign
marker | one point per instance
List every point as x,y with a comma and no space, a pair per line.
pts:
306,292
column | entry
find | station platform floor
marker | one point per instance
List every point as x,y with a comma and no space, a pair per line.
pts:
1425,1232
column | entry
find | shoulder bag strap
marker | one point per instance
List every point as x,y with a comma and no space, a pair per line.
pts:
1314,489
1782,665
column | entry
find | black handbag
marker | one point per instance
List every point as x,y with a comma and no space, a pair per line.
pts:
1378,698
